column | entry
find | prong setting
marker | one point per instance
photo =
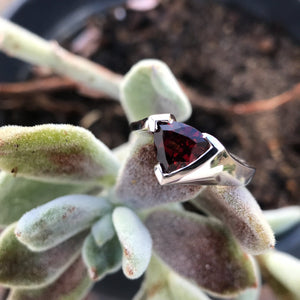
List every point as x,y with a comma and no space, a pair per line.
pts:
153,120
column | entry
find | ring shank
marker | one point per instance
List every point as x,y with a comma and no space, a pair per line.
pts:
138,125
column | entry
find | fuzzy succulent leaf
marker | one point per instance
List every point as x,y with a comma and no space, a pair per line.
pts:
151,88
249,294
137,185
163,283
162,293
22,268
237,208
103,230
201,250
57,153
155,283
283,219
50,224
121,152
254,292
101,261
19,195
283,271
183,289
135,240
73,284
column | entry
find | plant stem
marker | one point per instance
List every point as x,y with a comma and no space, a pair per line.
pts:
48,84
20,43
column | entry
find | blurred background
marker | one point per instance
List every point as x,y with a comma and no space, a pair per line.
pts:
238,60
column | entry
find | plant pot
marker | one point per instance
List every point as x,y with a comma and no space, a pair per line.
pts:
51,20
281,12
289,241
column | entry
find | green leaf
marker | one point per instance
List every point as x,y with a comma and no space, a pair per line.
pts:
156,276
237,208
57,153
163,283
135,240
19,195
151,88
155,284
101,261
48,225
201,250
73,284
183,289
254,292
103,230
283,219
249,294
22,268
137,185
121,152
283,273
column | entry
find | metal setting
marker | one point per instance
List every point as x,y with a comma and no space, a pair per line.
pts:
215,167
151,123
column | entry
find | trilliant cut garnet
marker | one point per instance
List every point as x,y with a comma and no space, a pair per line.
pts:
178,145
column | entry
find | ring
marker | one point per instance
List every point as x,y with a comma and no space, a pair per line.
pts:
186,155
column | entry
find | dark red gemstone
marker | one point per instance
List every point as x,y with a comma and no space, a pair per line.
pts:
178,145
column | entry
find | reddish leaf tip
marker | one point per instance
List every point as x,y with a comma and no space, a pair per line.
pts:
18,233
255,285
129,270
127,253
93,273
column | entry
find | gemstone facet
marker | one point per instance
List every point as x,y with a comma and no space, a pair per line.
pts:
178,145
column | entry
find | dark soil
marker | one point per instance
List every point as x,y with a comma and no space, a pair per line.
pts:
223,54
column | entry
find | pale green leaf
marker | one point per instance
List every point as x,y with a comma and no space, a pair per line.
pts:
151,88
73,284
22,268
163,283
160,291
155,284
137,185
201,250
57,153
48,225
19,195
135,240
254,292
101,261
282,219
183,289
249,294
156,276
237,208
103,230
121,152
284,269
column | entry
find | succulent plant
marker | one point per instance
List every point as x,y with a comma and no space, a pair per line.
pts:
73,211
